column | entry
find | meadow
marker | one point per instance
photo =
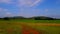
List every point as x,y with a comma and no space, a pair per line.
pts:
15,27
37,21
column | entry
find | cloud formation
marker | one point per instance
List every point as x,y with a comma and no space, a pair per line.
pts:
0,9
5,12
29,12
28,2
26,7
6,1
8,14
46,10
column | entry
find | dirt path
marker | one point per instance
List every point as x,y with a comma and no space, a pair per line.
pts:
42,24
37,24
27,27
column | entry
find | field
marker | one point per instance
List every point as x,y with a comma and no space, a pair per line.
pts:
16,26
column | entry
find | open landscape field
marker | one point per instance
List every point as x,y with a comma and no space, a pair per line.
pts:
18,26
33,21
29,16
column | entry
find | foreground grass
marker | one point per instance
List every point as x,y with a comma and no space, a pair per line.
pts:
15,25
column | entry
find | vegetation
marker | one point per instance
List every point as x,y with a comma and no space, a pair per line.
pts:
35,18
38,19
12,25
15,27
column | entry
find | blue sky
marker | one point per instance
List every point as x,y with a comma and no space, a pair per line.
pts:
29,8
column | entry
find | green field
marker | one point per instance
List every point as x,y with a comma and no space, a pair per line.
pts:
35,21
15,25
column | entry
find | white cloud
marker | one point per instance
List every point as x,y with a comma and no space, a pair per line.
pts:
36,2
3,10
6,1
8,14
46,10
29,12
28,2
0,9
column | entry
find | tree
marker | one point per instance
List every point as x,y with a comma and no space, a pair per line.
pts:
6,18
43,18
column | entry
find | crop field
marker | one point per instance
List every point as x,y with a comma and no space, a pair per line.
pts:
37,26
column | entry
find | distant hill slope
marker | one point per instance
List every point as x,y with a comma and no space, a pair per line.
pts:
42,18
35,18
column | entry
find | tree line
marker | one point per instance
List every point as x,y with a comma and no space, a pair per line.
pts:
34,18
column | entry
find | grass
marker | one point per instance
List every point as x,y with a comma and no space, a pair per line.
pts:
16,28
49,29
37,21
33,21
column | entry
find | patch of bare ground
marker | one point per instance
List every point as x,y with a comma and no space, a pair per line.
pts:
27,29
46,24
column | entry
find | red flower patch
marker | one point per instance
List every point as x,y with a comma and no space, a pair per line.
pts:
30,32
27,30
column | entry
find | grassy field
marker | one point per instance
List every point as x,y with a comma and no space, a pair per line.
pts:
15,27
37,21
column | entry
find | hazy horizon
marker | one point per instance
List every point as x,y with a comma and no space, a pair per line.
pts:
30,8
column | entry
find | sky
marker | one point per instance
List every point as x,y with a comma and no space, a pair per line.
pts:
30,8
